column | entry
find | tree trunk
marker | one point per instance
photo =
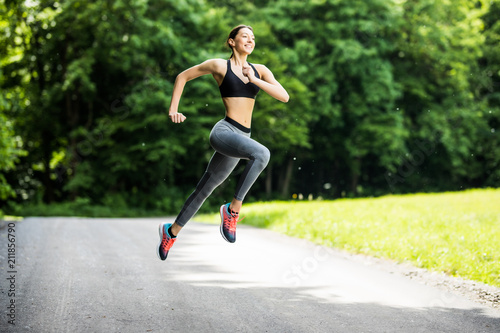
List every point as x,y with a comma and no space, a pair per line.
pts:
45,134
48,194
285,190
269,181
356,171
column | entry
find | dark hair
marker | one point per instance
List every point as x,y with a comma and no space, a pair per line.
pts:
233,33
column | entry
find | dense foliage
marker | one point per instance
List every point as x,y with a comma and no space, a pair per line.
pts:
386,96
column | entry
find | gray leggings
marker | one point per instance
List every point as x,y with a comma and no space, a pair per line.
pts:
231,142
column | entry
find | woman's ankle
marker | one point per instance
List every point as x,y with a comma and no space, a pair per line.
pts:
235,206
174,229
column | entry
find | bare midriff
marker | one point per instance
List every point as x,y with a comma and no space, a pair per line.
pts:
239,109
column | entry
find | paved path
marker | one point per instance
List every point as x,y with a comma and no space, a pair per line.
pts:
102,275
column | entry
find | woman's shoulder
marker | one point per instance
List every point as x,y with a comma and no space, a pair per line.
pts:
215,65
215,62
262,69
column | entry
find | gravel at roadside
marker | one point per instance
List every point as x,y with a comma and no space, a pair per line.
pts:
473,290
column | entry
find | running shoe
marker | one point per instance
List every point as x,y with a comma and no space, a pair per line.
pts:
228,223
166,241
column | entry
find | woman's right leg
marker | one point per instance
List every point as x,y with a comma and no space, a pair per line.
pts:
219,168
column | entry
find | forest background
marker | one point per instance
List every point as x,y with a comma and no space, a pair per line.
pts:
386,97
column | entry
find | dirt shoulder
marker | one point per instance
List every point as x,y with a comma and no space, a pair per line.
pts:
472,290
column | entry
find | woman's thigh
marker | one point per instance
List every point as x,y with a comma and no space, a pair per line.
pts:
234,144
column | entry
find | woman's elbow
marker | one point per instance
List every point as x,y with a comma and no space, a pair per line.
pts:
285,98
181,78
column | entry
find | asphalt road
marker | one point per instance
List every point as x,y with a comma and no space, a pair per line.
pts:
103,275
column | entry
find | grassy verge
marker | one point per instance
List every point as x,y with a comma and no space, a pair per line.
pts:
457,233
83,209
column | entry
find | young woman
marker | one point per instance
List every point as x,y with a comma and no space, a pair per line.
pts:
239,82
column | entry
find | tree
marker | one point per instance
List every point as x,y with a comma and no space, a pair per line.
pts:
10,151
97,76
487,88
385,96
436,58
341,51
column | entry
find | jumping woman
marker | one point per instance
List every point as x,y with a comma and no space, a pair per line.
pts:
239,82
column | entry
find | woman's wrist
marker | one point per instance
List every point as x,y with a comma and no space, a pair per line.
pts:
252,79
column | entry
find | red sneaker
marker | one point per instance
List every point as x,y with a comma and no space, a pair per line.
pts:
228,223
166,241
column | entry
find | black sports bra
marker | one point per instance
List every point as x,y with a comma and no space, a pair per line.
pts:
233,86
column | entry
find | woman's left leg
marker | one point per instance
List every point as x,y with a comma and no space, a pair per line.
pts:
218,170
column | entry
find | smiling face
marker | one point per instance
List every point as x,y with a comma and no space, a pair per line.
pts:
242,40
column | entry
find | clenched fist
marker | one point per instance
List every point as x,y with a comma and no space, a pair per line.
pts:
177,117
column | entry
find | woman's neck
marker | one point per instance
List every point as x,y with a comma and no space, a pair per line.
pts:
239,59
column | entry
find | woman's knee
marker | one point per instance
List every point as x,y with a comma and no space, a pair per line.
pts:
263,156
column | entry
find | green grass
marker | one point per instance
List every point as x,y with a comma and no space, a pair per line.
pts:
457,232
83,209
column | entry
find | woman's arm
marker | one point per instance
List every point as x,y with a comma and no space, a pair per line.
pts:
267,82
207,67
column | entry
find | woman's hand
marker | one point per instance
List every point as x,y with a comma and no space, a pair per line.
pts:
177,117
269,84
248,72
